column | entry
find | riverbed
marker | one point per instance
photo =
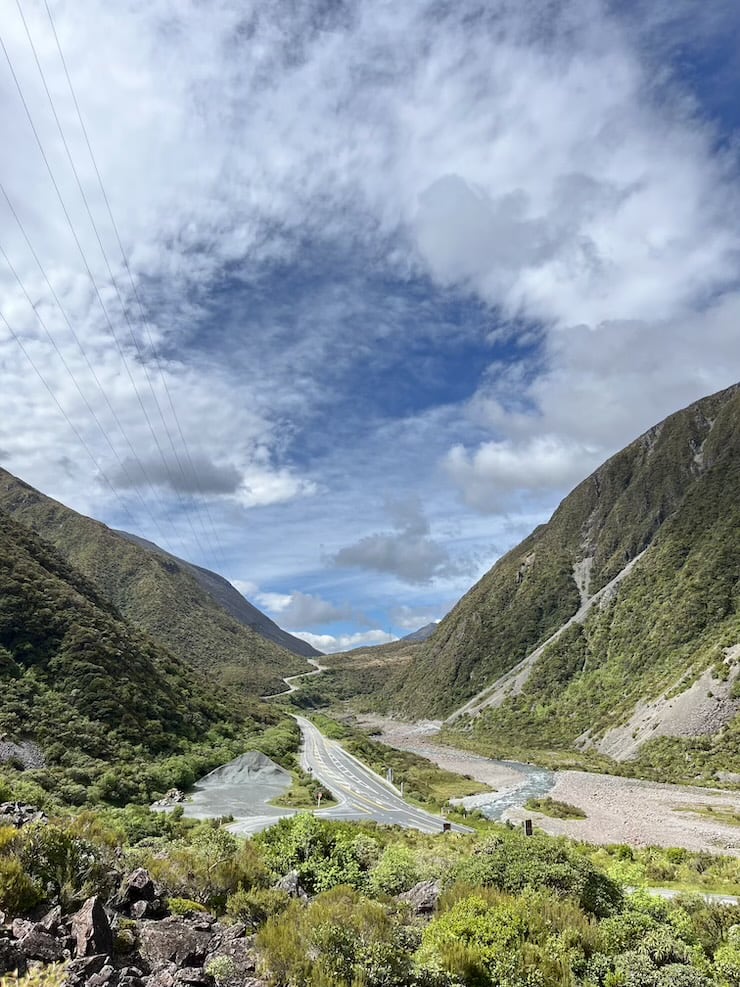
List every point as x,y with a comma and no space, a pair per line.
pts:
618,810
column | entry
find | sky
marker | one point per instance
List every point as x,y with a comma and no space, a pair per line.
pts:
340,299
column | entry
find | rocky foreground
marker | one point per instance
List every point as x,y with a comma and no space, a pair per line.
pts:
131,941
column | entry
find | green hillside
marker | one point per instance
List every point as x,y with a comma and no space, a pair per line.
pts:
155,592
664,514
114,715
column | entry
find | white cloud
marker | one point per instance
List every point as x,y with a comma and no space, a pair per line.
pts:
539,156
304,609
409,552
330,643
413,618
489,475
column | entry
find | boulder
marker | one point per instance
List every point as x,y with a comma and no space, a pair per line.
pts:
193,976
52,921
239,948
20,927
164,977
291,884
155,908
137,886
80,970
19,815
423,897
181,941
11,958
91,929
38,944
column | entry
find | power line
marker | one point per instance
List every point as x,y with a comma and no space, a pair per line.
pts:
74,380
123,255
68,420
98,294
77,340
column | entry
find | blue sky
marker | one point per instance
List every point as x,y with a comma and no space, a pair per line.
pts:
407,273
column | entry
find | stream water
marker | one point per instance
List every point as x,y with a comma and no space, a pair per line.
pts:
535,783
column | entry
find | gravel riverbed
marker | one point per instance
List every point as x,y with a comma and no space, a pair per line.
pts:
618,810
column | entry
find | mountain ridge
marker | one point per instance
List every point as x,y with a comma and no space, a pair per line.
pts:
155,592
651,538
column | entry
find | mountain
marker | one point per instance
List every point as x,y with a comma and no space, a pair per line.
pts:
615,627
95,709
157,593
233,602
422,634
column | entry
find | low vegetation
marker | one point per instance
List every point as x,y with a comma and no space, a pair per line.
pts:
552,807
304,792
510,910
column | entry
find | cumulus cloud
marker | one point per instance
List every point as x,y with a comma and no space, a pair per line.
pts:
542,159
414,618
298,609
495,470
409,552
330,643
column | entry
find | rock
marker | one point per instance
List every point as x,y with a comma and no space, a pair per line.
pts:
164,977
79,971
131,977
91,929
290,883
174,940
11,958
193,975
106,975
173,797
38,944
423,897
52,920
20,927
148,909
137,886
18,815
233,943
2,917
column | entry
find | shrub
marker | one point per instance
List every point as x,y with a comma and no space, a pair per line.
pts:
255,907
340,939
184,906
67,865
396,871
221,968
19,893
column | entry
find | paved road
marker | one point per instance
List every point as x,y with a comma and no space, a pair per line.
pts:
361,794
292,679
710,897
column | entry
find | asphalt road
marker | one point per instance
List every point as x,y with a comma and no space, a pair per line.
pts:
361,794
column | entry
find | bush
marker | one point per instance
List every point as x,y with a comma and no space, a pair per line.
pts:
19,893
184,906
221,968
69,866
396,871
257,906
340,939
512,862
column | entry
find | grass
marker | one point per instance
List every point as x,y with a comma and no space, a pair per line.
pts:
552,807
303,793
721,815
